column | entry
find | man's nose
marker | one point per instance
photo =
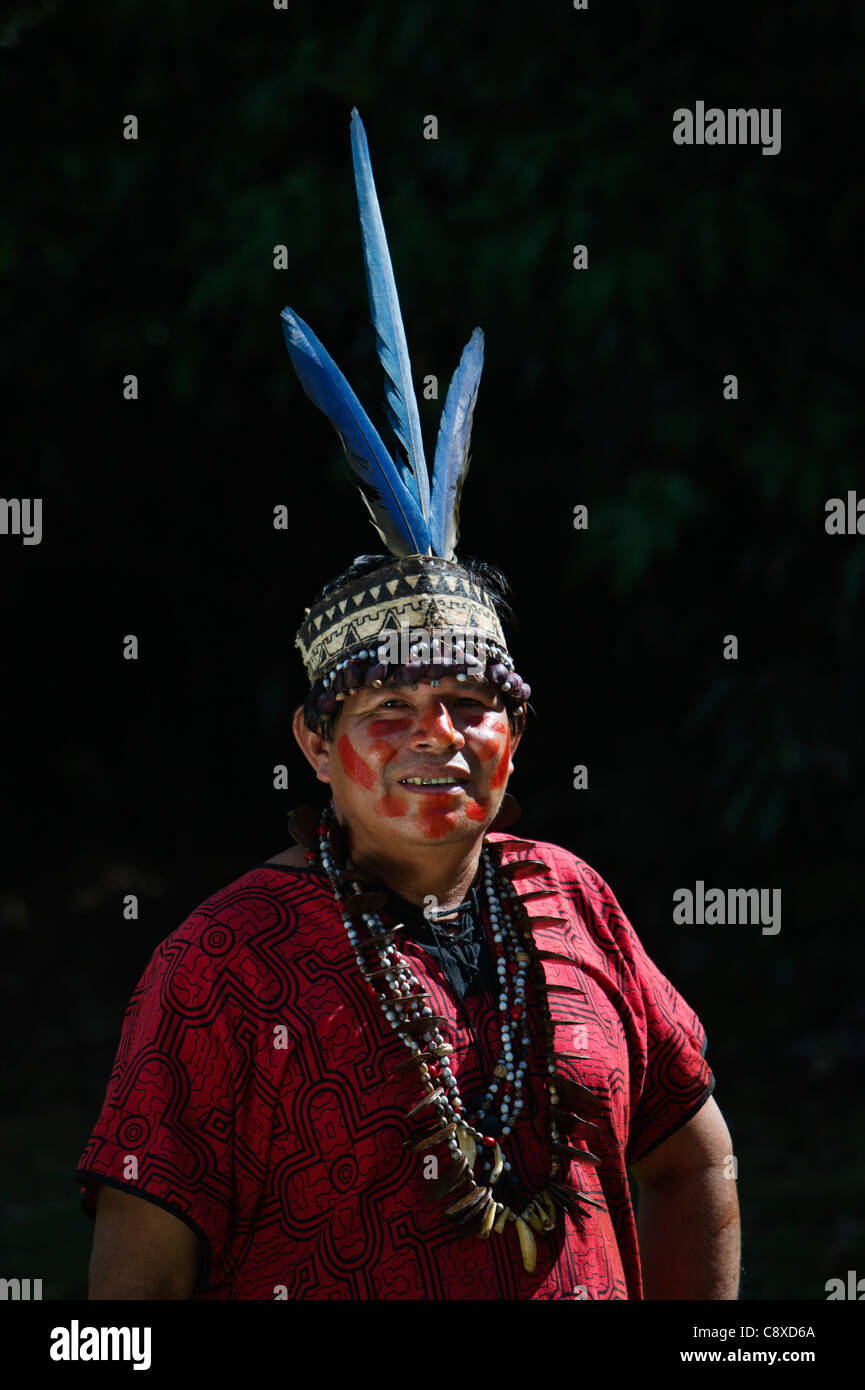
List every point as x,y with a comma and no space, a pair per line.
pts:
434,725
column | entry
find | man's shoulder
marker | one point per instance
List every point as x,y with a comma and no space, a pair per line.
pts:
236,953
592,897
226,921
293,858
561,860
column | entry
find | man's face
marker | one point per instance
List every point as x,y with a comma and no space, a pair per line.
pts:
387,742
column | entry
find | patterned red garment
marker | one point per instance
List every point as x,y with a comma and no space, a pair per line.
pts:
252,1086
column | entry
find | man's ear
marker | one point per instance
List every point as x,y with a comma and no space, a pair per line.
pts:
314,748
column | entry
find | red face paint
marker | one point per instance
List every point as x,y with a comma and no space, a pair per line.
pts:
487,747
471,721
353,763
437,816
380,728
380,731
381,750
501,773
486,741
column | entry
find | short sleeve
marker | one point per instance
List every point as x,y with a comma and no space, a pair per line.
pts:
165,1131
678,1079
673,1078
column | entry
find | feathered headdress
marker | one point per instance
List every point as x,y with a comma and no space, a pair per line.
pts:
412,517
416,517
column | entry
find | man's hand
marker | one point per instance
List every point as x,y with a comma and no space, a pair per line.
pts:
140,1250
688,1216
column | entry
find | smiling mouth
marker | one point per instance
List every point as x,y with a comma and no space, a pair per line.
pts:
432,784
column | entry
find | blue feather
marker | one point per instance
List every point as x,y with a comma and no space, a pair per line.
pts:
387,321
394,510
452,448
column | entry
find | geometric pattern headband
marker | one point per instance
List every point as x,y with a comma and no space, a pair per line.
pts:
433,595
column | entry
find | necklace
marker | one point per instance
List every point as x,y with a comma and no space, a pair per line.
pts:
440,1117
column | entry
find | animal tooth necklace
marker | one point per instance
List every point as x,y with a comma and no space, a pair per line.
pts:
477,1160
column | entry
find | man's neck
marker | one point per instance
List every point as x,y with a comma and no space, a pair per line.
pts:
444,872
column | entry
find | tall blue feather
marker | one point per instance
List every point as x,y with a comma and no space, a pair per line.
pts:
387,321
394,510
452,448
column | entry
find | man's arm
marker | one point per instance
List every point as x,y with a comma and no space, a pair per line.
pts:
140,1251
688,1213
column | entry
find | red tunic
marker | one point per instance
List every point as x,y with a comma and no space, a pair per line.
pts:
252,1089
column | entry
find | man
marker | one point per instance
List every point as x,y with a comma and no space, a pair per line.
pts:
271,1162
413,1056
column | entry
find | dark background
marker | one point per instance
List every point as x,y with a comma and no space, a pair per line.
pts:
603,387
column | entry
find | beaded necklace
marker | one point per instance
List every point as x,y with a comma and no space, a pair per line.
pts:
478,1163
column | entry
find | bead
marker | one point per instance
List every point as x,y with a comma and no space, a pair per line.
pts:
402,1000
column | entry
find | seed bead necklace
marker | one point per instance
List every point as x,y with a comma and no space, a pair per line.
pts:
477,1160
